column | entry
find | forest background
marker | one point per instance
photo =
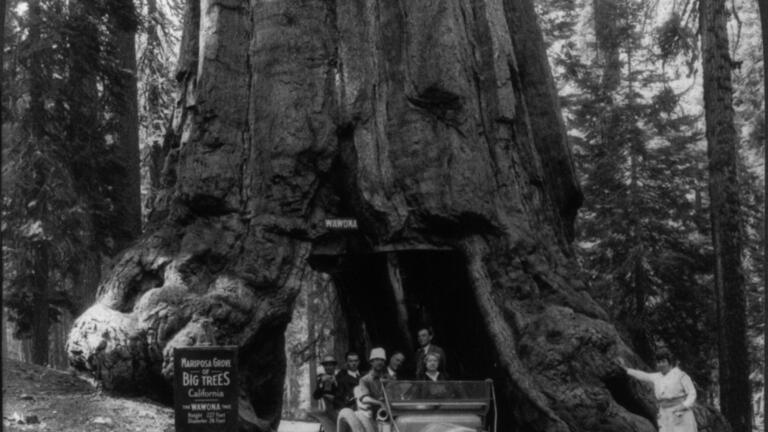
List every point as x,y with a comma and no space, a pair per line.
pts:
90,84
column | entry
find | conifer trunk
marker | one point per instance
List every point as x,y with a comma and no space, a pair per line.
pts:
129,196
36,128
4,8
41,322
722,150
763,6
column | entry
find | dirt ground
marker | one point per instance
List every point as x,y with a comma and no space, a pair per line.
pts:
64,402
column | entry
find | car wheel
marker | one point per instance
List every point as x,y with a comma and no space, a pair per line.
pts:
348,422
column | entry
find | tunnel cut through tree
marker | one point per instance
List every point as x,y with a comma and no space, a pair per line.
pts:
435,124
389,296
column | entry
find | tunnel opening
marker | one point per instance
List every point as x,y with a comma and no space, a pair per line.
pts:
387,295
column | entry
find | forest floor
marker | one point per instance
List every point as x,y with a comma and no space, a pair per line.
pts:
37,398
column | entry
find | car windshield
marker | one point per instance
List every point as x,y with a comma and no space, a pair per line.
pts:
400,391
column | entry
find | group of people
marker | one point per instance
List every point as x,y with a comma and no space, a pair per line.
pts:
350,388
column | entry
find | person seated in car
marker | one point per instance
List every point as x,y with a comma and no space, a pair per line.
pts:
326,393
424,337
430,390
327,386
370,392
395,363
431,369
348,378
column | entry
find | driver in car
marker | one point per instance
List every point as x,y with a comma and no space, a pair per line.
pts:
369,393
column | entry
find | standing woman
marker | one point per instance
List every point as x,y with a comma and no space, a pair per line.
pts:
674,391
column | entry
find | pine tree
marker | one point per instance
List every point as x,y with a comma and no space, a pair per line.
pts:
124,21
763,5
60,170
157,49
643,225
725,211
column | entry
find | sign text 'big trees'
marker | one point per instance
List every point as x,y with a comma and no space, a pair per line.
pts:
205,389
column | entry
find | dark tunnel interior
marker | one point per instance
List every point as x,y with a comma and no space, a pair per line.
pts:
435,292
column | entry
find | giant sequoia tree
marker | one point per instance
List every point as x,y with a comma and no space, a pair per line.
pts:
436,125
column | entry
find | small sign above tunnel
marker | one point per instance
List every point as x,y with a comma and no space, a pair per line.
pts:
341,224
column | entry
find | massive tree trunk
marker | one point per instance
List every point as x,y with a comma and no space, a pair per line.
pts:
722,139
435,124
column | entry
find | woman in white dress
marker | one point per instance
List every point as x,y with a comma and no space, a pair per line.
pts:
675,393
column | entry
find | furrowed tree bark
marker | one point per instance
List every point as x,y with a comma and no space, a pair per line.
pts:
547,126
154,45
41,322
396,283
763,6
4,8
417,120
129,205
722,139
36,128
81,135
311,319
153,103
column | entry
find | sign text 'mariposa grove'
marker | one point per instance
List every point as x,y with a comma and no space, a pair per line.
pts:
205,389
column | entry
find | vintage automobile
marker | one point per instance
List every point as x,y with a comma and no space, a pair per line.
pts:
425,406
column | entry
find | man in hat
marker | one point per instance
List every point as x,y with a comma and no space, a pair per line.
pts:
327,387
348,378
426,346
369,393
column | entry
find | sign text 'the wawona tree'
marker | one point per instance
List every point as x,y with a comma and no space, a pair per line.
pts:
433,123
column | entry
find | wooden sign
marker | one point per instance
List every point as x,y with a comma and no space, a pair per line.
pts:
341,224
205,391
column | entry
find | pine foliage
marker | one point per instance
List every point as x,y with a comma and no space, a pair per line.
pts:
60,161
642,234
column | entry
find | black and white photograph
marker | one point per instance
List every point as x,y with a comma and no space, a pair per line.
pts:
384,215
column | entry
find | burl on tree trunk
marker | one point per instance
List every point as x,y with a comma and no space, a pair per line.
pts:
436,125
